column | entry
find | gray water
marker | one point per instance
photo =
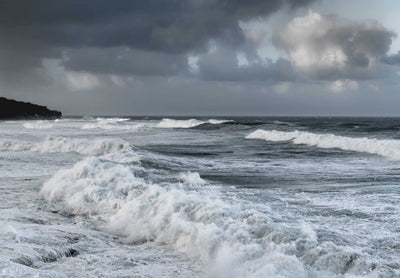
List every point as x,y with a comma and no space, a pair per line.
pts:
227,197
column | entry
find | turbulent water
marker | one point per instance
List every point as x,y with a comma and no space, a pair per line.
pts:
224,197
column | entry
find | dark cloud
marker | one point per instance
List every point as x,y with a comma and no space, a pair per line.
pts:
393,59
124,61
223,65
43,28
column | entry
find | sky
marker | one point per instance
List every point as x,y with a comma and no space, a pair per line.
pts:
203,57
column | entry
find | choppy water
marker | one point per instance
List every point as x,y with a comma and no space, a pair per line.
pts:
231,197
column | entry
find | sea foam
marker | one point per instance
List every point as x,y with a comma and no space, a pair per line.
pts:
171,123
112,124
201,225
386,148
229,237
52,144
38,125
112,120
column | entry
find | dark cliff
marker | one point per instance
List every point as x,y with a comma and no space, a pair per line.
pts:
12,109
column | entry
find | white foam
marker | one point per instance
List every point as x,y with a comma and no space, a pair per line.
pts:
52,144
7,229
109,126
112,120
217,122
91,186
171,123
232,240
112,124
19,270
192,178
200,225
386,148
38,125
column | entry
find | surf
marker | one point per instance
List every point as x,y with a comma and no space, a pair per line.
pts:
171,123
389,148
57,144
229,236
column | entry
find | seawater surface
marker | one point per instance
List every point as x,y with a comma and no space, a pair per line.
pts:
200,197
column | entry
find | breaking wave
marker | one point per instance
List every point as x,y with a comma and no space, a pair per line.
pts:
38,125
386,148
112,120
171,123
66,145
229,236
112,124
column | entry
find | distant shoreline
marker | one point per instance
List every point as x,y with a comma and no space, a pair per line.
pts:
17,110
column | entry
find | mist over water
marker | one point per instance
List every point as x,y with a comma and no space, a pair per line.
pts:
200,197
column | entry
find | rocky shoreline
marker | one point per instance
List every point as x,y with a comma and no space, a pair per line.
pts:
12,109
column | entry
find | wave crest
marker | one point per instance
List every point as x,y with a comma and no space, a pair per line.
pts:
112,124
38,125
386,148
194,221
66,145
171,123
230,237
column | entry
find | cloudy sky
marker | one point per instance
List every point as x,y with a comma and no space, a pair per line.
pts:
203,57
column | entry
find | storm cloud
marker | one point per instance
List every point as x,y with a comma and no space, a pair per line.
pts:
124,61
33,30
393,59
223,65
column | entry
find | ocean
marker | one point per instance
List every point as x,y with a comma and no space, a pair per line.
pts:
200,197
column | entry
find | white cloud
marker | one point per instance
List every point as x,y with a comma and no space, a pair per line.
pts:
192,62
81,81
301,36
343,85
118,81
282,87
255,34
242,59
330,47
374,87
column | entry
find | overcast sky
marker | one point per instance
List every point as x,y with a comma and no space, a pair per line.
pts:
203,57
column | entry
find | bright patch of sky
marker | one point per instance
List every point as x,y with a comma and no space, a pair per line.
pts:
261,31
385,11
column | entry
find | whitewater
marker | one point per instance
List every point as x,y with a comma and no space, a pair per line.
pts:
200,197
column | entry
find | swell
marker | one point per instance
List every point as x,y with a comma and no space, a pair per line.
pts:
386,148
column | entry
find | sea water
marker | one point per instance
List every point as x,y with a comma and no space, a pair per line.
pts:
200,197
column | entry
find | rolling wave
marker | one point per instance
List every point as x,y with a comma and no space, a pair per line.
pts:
386,148
112,120
108,126
112,124
66,145
171,123
38,125
228,236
